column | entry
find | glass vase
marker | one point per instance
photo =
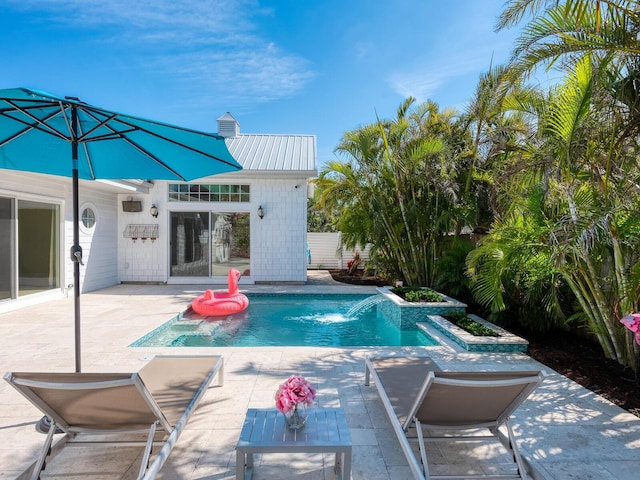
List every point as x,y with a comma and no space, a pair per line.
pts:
296,418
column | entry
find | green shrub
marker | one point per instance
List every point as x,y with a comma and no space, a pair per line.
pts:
456,316
418,294
461,320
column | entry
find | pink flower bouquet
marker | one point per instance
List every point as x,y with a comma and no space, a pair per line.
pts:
632,322
295,390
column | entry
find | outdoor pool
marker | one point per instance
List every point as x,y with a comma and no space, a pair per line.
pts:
289,320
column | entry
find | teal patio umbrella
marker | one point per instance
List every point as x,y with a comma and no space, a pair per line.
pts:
43,133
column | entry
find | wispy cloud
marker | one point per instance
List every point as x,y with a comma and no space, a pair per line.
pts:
425,81
211,46
462,48
240,77
419,84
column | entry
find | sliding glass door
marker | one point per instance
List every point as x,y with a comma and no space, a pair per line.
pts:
230,243
30,256
208,244
7,249
190,244
38,247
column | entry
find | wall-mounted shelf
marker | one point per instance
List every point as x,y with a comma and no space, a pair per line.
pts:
141,231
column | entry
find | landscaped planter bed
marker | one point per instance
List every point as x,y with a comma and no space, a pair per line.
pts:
504,342
405,315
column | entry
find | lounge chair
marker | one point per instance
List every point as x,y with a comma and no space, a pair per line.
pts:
158,400
416,393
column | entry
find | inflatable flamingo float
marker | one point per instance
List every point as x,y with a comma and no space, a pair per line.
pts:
212,303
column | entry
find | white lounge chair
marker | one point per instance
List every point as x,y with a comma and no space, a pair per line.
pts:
416,393
158,400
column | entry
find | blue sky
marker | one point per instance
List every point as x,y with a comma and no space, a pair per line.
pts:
292,66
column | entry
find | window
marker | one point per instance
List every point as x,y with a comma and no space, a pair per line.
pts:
88,218
199,192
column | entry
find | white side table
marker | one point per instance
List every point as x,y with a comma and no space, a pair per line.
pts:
264,431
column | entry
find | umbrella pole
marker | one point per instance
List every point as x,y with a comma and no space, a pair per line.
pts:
76,250
44,425
76,266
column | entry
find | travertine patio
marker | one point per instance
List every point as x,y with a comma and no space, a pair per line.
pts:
566,431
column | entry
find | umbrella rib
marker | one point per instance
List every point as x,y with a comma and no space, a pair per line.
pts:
38,125
116,134
100,123
153,157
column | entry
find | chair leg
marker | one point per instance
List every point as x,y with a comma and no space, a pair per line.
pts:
423,449
41,463
144,464
515,452
220,375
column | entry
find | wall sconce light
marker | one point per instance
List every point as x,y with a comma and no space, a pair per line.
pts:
260,212
154,211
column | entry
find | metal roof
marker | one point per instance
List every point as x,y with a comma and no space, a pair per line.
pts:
274,153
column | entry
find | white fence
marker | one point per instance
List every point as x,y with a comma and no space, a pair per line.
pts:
326,253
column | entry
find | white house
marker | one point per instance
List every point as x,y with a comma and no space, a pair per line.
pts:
162,232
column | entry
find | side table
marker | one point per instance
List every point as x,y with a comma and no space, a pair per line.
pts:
264,431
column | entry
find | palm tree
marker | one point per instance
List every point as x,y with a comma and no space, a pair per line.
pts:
562,32
583,221
396,190
494,135
512,270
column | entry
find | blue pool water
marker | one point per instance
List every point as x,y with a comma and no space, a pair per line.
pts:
289,320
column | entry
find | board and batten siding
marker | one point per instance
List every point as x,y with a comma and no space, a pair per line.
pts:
326,252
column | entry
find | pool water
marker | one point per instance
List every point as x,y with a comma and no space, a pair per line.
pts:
289,320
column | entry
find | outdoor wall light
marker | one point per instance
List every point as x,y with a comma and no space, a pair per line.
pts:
260,212
154,211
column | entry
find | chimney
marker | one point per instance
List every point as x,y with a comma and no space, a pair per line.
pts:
228,126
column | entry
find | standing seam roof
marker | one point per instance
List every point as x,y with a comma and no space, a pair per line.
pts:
274,152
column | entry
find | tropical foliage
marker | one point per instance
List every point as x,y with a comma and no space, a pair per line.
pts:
576,207
397,190
552,175
318,220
